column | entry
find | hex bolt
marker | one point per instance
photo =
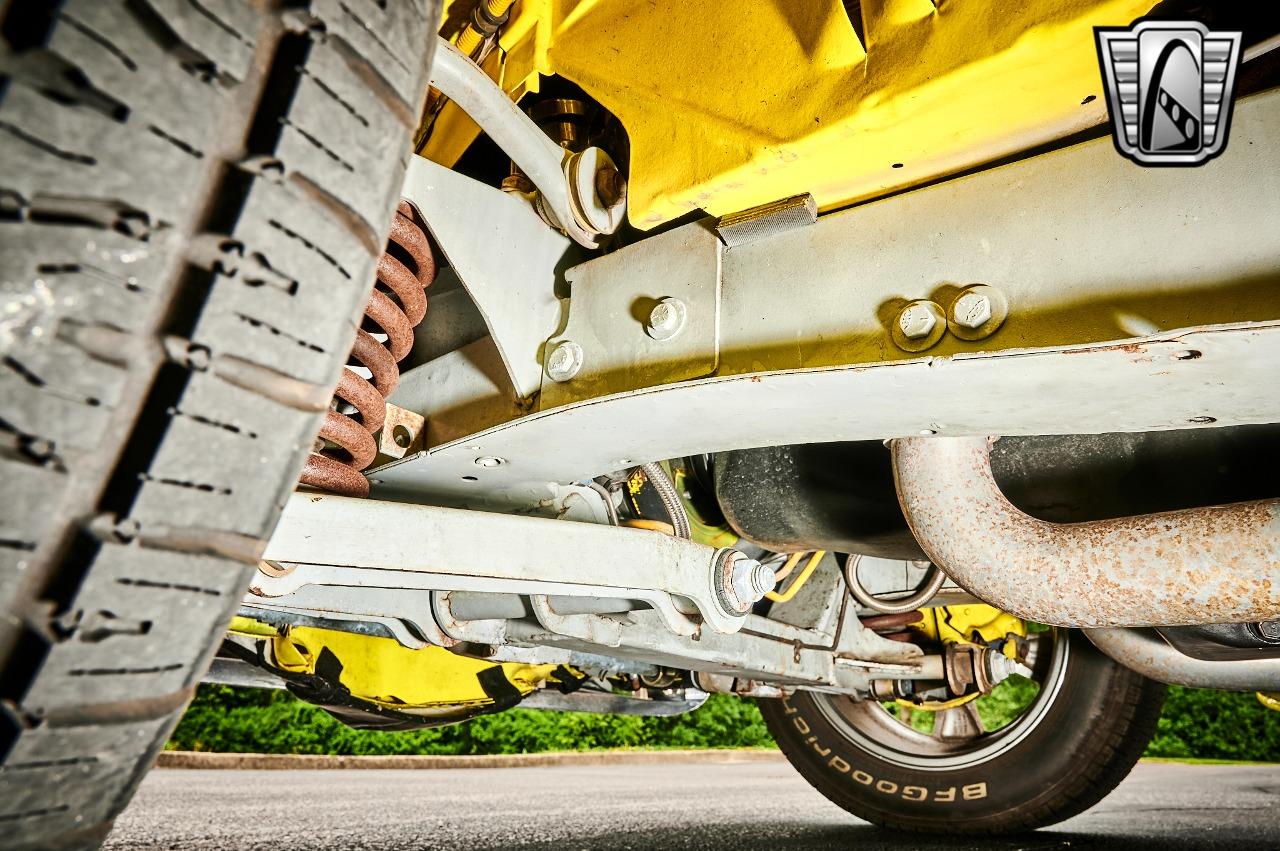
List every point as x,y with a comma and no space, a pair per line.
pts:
971,310
666,319
977,312
1000,667
564,361
919,325
1270,631
917,321
752,580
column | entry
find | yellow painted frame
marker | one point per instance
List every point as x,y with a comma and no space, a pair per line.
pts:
730,104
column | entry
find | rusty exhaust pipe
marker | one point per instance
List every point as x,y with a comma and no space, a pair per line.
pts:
1147,653
1219,564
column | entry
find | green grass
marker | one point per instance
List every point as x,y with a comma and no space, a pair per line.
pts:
229,720
1202,726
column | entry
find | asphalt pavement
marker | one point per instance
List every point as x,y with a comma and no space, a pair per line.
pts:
679,806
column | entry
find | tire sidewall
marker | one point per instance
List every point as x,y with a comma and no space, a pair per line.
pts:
1021,784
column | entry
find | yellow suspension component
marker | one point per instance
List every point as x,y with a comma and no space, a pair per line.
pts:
1270,699
730,104
430,681
977,623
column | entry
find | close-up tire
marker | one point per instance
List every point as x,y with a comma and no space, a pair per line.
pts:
1076,739
193,200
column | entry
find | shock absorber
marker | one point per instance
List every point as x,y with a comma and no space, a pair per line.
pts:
397,304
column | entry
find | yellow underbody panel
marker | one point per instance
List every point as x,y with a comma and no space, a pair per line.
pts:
382,671
964,624
730,104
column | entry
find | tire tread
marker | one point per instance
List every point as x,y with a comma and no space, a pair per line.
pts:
138,206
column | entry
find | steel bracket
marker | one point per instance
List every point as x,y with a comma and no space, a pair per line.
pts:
503,253
609,307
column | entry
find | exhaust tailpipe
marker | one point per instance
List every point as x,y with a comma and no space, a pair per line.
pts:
1219,564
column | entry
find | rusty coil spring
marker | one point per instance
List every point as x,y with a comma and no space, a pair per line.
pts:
346,444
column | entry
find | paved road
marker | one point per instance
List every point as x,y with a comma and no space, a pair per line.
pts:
704,807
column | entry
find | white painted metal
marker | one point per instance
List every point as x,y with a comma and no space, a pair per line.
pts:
613,704
1146,384
1083,245
503,253
611,299
234,672
340,541
541,159
405,612
1101,264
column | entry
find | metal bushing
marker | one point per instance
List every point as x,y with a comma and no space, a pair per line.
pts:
592,212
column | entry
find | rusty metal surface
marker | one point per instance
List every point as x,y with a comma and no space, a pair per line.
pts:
348,442
890,623
402,432
1150,655
1219,564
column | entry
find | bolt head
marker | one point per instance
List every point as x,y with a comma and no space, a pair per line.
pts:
1000,667
666,319
916,321
564,361
611,186
971,310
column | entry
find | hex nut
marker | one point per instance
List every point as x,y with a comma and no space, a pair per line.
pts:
564,361
666,319
919,325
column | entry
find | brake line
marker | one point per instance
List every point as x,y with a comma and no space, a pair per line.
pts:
794,587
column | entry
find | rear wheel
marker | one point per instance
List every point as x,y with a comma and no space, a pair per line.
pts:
1032,754
193,198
